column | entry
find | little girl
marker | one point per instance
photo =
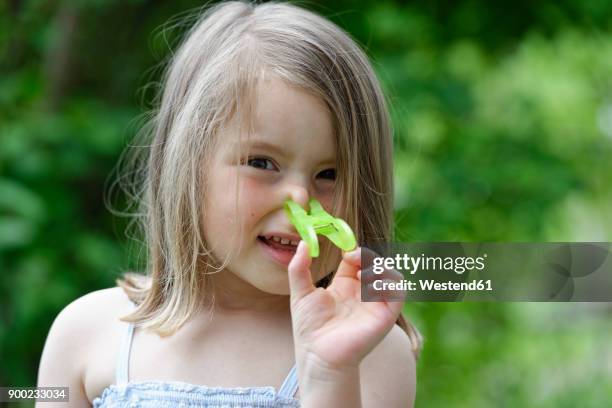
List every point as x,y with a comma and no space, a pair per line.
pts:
261,103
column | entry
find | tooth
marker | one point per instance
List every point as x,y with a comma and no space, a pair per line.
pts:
294,243
277,239
284,241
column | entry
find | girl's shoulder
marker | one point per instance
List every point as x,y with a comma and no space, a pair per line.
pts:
87,330
93,321
89,314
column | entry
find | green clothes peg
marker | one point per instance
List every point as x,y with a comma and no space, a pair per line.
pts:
319,222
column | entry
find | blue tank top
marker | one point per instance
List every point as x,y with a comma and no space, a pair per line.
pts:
161,394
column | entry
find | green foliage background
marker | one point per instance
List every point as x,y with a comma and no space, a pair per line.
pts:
503,117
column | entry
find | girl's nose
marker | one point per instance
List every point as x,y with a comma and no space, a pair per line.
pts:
298,192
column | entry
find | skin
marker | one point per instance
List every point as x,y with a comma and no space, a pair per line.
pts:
348,353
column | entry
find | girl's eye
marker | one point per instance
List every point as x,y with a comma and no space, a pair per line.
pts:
261,163
329,174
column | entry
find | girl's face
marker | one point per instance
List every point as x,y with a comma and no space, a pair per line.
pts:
290,154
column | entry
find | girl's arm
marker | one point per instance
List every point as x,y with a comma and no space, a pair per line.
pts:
388,373
63,357
349,353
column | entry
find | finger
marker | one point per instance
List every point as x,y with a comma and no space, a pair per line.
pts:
353,257
300,278
392,299
370,274
368,256
387,289
350,264
396,305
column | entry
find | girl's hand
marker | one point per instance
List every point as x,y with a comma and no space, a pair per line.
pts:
332,327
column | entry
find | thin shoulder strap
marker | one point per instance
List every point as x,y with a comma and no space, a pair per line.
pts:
290,385
123,360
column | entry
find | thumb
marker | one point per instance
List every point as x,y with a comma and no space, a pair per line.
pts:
300,279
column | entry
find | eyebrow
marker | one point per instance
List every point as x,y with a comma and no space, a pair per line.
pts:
262,144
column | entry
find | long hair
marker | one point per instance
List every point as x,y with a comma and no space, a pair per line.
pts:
210,79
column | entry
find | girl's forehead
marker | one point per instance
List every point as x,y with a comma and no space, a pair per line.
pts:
289,121
286,108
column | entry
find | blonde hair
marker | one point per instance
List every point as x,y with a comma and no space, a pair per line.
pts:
218,64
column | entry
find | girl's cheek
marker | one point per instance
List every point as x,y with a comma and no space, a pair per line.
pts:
251,189
324,193
327,200
254,195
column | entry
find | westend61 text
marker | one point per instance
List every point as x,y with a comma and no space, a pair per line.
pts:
430,284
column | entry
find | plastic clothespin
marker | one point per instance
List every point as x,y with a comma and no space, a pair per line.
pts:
319,222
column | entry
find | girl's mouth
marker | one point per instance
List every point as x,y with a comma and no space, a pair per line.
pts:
281,253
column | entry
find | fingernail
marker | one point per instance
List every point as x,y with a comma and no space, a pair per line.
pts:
353,255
